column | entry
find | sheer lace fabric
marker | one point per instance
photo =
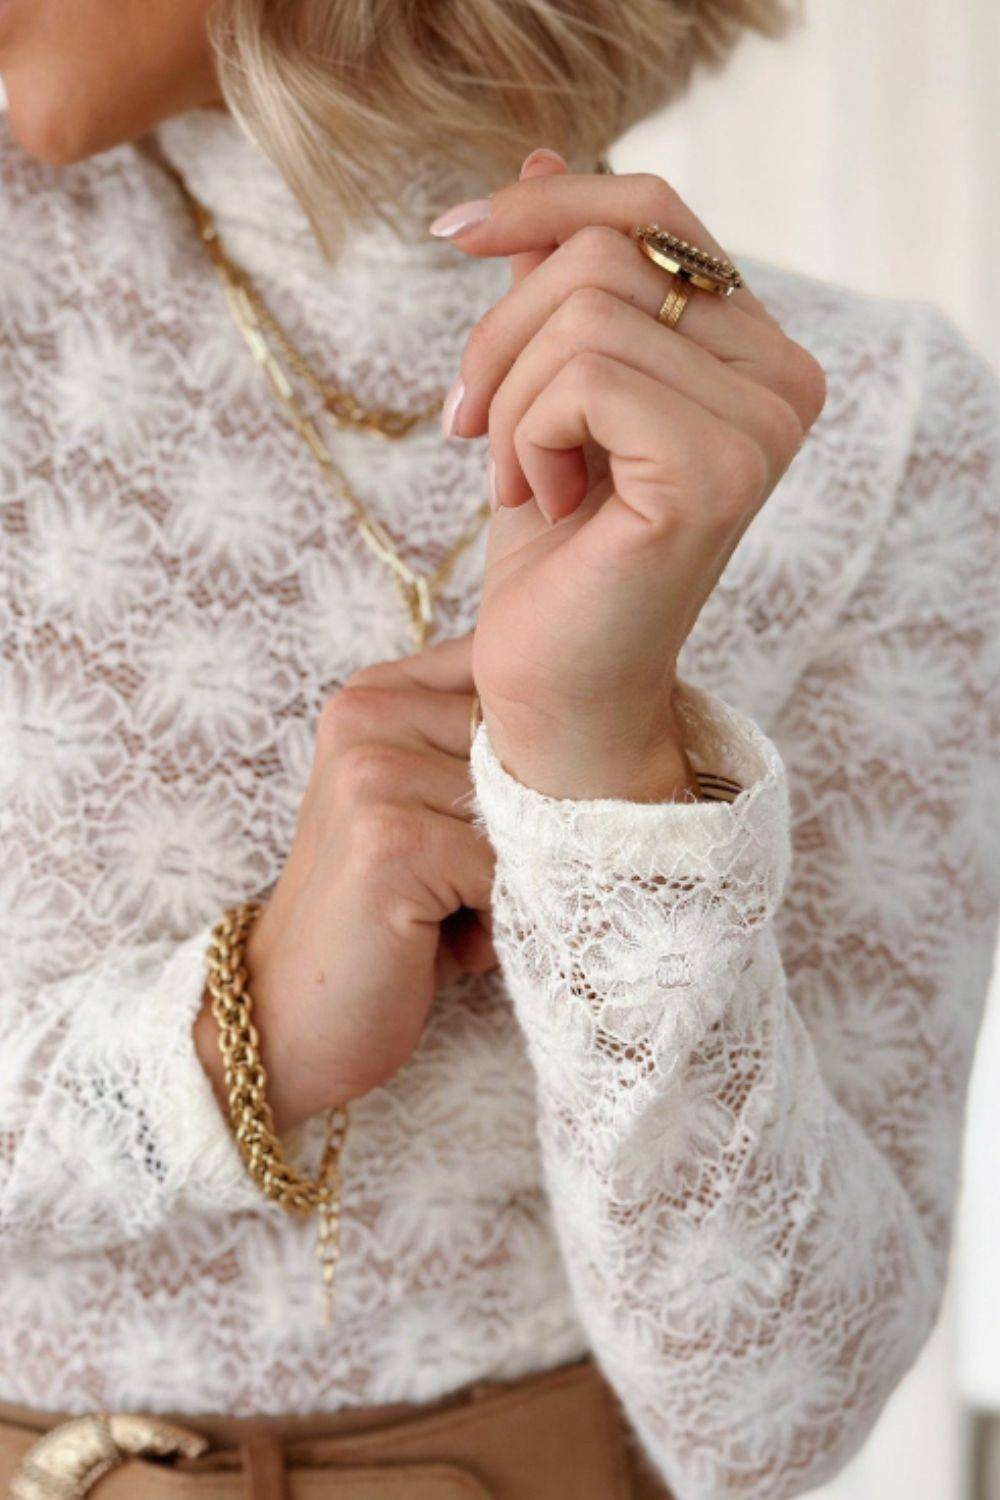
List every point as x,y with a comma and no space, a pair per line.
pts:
706,1118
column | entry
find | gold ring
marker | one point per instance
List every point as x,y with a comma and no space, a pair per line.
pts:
673,303
475,718
689,266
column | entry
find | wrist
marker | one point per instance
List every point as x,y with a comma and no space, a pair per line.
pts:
286,1109
637,755
284,1092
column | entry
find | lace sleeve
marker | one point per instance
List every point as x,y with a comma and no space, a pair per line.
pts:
751,1083
108,1123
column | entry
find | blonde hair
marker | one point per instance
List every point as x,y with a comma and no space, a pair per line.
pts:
343,94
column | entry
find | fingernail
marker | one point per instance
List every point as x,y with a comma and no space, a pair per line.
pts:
462,216
491,483
541,151
449,411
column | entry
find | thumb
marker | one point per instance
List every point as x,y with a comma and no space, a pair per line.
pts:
445,666
541,163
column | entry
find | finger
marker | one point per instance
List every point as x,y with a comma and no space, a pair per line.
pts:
465,937
445,666
604,259
457,865
370,711
394,774
541,163
597,322
539,214
676,467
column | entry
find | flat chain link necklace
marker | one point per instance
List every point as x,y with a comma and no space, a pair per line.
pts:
416,590
264,336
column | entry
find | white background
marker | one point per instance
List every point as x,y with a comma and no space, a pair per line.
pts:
864,149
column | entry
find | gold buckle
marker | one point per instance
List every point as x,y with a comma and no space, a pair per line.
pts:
68,1460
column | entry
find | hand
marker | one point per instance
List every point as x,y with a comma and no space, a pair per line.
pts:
385,894
649,449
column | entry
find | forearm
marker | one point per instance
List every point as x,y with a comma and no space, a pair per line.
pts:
750,1272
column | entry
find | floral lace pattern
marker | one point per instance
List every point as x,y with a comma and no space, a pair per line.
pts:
706,1118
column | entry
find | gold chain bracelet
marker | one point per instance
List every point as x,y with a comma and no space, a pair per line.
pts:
249,1112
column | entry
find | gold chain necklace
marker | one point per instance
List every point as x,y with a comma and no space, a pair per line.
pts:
416,590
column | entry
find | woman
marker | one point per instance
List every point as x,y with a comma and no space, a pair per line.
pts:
652,1011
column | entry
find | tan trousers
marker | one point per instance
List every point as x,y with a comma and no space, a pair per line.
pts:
558,1435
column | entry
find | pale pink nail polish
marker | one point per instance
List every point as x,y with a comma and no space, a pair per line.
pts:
449,411
539,153
491,483
462,216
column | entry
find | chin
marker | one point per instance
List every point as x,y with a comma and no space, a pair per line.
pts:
60,123
47,129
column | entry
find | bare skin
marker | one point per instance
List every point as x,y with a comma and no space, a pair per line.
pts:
84,75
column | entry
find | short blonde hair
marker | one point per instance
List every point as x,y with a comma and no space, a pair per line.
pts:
342,94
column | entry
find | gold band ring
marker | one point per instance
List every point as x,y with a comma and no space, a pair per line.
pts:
673,304
689,266
475,717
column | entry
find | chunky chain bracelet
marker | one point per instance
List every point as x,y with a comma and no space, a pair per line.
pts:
249,1112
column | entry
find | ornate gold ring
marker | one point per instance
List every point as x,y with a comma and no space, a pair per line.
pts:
689,265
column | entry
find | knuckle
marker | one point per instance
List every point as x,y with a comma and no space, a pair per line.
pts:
380,836
658,199
741,475
584,310
594,246
354,710
371,675
807,381
335,718
784,426
369,769
670,518
588,371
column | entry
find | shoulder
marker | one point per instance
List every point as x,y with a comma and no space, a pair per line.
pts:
912,417
904,358
901,473
892,500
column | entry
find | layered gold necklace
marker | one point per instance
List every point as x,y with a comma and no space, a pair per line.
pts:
279,359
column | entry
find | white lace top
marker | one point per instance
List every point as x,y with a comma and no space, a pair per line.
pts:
706,1118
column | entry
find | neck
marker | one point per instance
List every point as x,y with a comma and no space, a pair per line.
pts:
391,311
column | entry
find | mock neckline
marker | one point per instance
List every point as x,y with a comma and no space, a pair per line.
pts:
389,313
247,194
393,304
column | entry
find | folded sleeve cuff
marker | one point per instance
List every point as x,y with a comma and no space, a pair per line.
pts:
190,1138
744,842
